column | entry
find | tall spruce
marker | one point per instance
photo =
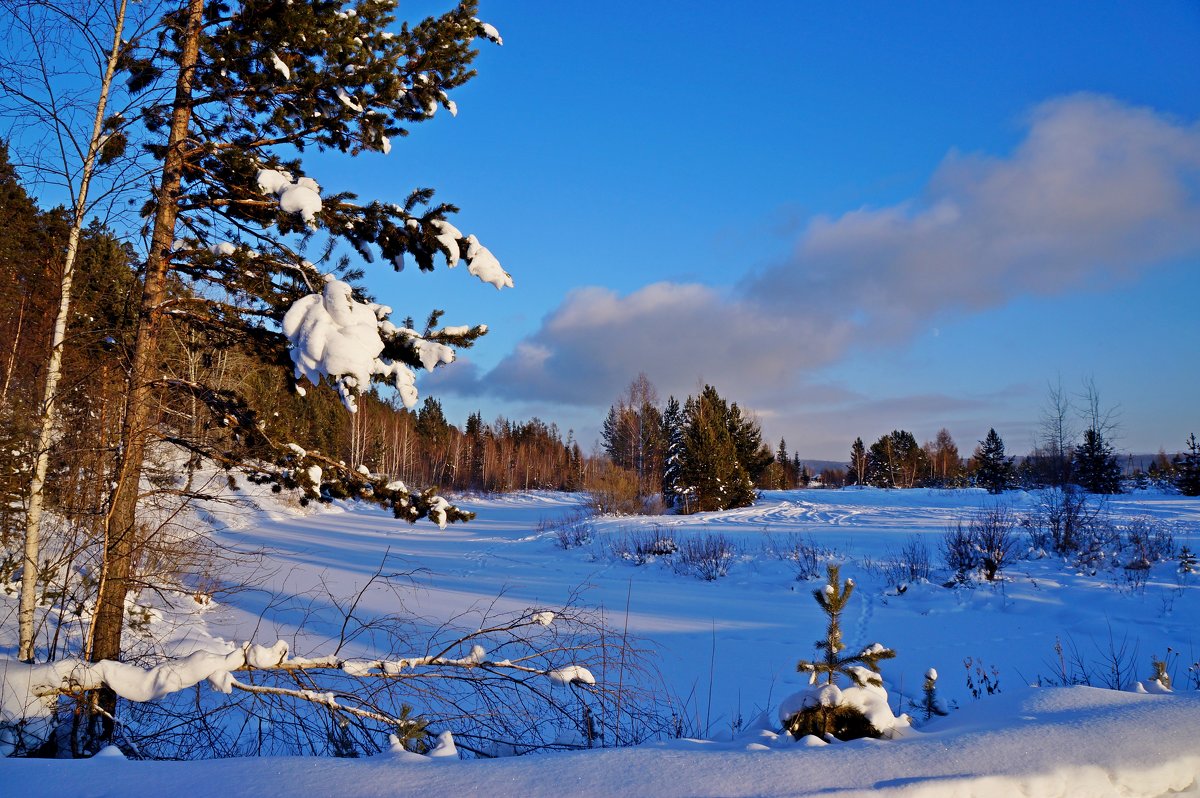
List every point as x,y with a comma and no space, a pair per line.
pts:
993,471
753,455
859,464
257,84
710,476
672,436
1095,466
1187,469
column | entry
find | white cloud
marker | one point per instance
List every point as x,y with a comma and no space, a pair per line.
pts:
1096,191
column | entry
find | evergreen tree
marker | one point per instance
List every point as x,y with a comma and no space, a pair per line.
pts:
632,434
752,454
993,470
672,436
859,464
1095,465
256,84
709,476
431,421
930,703
895,460
1187,472
830,717
790,474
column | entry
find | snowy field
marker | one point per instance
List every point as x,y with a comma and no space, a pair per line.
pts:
728,648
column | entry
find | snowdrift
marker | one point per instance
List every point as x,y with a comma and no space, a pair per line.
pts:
1076,741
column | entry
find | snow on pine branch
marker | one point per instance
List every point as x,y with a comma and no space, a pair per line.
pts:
334,335
302,196
481,262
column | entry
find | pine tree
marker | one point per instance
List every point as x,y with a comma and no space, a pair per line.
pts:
930,704
832,599
993,470
862,669
256,84
1187,472
710,475
895,460
859,464
882,466
672,436
1095,466
746,433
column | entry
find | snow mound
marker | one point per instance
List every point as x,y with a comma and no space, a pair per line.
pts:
1048,743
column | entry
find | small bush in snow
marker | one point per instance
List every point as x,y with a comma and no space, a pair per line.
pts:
706,556
1148,541
803,553
1065,520
992,531
570,532
987,542
644,546
911,564
1098,548
958,550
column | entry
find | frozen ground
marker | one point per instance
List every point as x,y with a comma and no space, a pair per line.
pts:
744,632
728,649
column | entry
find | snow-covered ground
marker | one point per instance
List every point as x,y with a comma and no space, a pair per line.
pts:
728,649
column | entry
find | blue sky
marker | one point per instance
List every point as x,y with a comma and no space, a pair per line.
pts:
849,217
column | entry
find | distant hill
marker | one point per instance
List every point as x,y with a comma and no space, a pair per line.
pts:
817,466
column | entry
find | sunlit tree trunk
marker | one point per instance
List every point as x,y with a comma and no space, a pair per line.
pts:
36,496
120,527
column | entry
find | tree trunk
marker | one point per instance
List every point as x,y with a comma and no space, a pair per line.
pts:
121,522
33,517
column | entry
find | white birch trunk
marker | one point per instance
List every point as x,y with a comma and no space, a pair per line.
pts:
33,519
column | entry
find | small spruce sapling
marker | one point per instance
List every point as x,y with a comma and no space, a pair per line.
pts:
824,713
931,705
1187,561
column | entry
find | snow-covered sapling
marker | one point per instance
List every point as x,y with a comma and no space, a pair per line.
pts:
931,705
1187,561
825,709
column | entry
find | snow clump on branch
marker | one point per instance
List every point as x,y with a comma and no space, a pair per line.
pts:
334,335
301,196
